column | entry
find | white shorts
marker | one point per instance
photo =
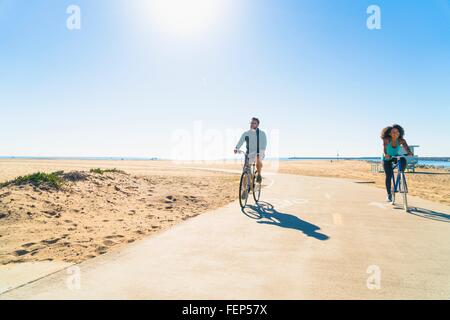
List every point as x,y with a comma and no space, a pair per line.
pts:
252,156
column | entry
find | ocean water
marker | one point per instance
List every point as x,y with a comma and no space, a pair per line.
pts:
435,163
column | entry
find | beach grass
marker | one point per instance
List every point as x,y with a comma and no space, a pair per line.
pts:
38,179
54,180
102,171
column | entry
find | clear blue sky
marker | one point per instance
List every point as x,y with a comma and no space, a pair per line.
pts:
136,73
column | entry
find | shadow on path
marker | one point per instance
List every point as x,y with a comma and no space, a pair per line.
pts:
265,213
429,214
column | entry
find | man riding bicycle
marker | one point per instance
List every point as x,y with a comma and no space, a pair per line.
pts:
256,146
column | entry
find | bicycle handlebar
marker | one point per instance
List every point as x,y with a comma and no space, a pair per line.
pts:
399,157
243,152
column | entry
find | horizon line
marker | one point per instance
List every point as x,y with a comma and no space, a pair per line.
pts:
181,160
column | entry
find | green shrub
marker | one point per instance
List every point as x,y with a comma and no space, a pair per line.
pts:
102,171
38,179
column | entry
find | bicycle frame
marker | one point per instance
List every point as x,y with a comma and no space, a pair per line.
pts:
398,187
248,168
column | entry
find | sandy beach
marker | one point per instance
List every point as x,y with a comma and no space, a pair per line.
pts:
95,213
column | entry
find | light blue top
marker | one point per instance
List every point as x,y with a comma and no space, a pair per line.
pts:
392,151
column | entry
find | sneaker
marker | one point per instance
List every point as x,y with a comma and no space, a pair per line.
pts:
389,198
258,178
244,195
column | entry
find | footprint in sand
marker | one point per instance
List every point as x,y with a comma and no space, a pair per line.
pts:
51,241
170,199
29,244
51,214
114,236
21,252
101,249
109,243
34,252
6,194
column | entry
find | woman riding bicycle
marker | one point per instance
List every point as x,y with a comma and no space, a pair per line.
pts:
393,140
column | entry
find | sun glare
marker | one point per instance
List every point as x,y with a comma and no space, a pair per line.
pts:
185,17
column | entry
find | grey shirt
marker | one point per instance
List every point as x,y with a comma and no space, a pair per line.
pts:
253,140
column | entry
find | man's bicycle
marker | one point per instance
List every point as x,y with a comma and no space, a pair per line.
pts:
248,183
400,185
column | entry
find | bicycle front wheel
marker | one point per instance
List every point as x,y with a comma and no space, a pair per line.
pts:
404,193
256,188
244,189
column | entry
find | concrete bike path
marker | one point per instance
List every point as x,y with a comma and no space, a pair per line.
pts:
312,238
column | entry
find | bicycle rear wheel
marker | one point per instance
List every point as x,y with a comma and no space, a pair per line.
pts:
244,189
256,188
405,202
393,190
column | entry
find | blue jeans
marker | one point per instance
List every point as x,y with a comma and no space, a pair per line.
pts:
389,171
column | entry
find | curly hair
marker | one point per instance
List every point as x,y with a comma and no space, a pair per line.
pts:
386,132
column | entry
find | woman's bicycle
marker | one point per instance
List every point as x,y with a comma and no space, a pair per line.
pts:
248,183
400,185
